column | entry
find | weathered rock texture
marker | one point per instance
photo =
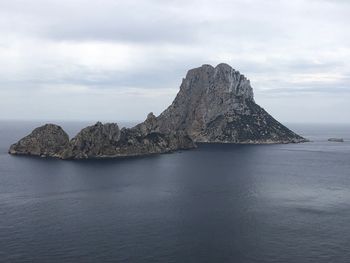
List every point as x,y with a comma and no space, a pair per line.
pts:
48,140
217,105
101,141
213,105
107,141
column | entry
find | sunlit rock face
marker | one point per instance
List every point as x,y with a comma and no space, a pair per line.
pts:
216,104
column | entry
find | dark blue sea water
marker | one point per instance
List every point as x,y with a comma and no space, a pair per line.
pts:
217,203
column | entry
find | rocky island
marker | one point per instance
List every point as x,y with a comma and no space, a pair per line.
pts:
214,105
336,140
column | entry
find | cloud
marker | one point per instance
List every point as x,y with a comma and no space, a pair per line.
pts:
105,20
91,48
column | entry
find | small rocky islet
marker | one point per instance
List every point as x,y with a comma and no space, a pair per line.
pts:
214,105
336,140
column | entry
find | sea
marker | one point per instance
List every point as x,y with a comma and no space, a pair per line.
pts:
216,203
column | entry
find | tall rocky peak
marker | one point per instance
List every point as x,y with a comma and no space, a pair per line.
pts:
221,79
216,104
205,94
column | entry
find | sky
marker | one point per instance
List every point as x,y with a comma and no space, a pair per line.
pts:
114,60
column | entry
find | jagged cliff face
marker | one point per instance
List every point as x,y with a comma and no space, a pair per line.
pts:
217,105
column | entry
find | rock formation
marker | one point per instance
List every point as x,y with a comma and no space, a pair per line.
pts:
101,141
213,105
107,141
48,140
217,105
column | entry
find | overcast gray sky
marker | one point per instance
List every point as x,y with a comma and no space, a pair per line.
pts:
118,60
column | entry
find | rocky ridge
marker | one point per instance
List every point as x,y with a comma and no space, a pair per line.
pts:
101,141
